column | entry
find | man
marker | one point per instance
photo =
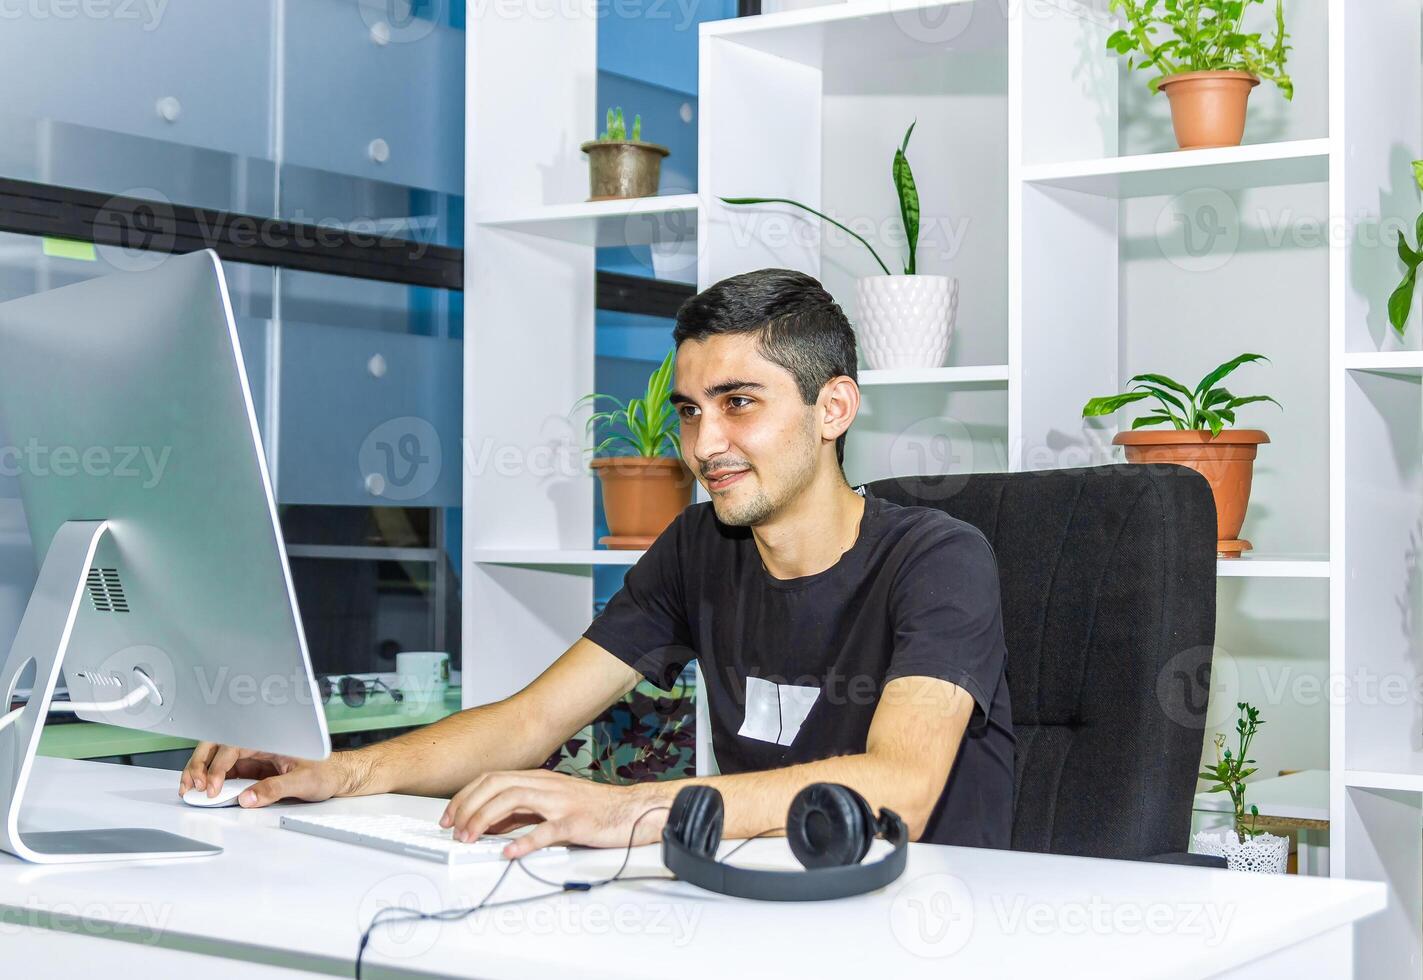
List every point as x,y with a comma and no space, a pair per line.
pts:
842,638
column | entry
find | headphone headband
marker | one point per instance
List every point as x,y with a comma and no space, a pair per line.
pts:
813,884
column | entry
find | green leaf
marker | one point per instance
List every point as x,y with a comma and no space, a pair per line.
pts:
1406,254
1146,420
1163,381
804,207
1208,382
1110,403
1400,304
1418,173
1213,421
1169,399
1250,400
908,198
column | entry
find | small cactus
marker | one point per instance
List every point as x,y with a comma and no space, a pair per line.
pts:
617,126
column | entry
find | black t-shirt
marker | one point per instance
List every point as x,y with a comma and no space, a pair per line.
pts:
793,668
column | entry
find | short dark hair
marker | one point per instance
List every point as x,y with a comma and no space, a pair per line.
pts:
798,325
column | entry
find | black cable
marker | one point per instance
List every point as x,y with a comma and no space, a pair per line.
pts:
727,856
455,914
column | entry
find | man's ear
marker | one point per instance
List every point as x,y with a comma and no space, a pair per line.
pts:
838,405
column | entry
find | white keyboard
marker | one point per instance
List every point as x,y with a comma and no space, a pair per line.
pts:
403,835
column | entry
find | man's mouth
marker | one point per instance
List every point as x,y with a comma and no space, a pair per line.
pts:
724,479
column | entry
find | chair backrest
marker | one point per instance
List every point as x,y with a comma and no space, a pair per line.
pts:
1108,582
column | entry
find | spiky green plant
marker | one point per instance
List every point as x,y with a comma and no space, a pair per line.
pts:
1202,35
648,423
904,187
1206,407
617,126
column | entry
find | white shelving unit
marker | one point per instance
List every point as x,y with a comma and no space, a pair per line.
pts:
1034,173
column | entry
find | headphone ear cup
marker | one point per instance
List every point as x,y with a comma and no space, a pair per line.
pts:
829,825
695,819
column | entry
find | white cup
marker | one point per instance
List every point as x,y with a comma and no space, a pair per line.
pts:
422,678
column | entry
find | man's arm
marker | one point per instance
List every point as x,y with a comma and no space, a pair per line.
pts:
519,732
912,743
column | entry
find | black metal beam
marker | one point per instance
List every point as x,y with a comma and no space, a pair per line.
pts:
638,294
28,208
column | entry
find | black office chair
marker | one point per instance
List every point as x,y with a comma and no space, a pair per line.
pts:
1108,581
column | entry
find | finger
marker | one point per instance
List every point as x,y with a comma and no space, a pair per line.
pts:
473,796
275,788
193,772
496,808
513,822
547,833
222,761
254,767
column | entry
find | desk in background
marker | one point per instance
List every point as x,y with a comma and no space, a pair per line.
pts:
1297,802
90,740
280,899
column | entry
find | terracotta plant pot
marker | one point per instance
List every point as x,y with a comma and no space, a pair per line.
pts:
1227,461
641,496
623,168
1208,107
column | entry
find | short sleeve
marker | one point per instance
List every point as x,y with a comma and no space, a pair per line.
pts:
645,623
947,618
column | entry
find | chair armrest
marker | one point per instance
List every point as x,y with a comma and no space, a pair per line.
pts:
1189,860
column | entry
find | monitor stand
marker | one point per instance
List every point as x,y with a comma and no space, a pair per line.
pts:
43,637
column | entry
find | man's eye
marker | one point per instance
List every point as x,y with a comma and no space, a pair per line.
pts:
684,410
739,398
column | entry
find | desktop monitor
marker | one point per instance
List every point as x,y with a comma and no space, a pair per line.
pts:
164,588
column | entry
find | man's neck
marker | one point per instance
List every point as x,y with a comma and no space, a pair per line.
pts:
812,534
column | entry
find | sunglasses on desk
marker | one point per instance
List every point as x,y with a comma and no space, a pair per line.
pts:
354,690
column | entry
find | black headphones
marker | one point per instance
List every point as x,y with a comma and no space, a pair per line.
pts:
829,828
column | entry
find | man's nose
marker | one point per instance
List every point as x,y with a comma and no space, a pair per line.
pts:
710,440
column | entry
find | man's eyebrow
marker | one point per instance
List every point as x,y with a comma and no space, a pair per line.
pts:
722,388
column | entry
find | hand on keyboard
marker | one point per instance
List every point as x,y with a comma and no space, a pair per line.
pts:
567,809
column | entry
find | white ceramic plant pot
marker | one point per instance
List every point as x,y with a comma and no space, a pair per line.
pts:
1262,854
906,321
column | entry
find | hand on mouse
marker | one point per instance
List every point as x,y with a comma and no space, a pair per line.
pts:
279,776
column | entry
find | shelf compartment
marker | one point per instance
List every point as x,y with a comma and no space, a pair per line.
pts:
1226,168
665,219
971,374
1383,572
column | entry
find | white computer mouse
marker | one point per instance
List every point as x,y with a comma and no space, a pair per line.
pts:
227,796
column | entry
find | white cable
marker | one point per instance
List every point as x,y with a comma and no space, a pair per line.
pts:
146,690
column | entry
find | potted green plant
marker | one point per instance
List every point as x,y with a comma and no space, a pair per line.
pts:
1400,304
1243,845
621,166
1207,62
644,490
1200,437
905,321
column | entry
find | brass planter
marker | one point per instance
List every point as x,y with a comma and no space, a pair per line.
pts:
623,168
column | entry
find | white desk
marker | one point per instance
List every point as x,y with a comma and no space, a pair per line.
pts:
275,897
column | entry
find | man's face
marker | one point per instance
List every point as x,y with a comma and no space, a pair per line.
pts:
746,434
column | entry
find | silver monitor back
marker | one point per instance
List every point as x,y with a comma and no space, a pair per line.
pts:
125,399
